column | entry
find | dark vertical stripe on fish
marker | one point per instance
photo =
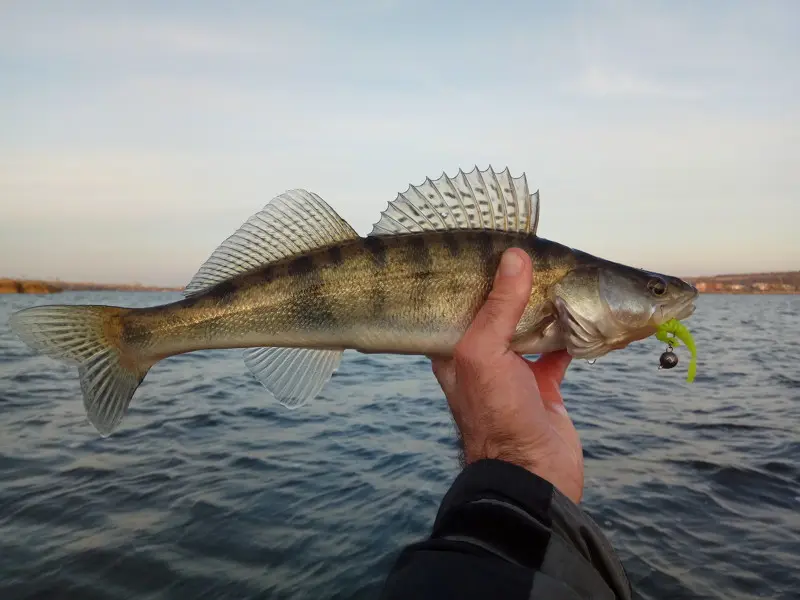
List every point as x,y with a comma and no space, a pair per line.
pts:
134,333
223,292
302,265
377,248
489,260
420,264
451,241
530,243
377,298
335,255
310,307
543,253
420,258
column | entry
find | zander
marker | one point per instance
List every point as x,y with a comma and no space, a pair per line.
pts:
296,286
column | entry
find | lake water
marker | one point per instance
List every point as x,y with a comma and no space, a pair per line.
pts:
210,489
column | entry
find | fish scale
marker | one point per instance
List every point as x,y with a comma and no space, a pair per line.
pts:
295,286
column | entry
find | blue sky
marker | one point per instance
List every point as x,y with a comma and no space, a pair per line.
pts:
135,137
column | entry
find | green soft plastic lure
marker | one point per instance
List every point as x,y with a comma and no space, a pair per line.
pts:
673,332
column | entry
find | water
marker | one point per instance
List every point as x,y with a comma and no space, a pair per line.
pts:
211,490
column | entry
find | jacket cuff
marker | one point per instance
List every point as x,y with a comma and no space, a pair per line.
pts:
523,519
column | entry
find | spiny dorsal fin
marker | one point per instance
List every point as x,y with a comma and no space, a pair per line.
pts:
294,222
476,200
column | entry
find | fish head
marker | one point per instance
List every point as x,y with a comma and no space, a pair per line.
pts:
605,306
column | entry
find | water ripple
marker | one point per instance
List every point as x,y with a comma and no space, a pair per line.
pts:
210,489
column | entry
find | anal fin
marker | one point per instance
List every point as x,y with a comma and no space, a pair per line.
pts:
293,375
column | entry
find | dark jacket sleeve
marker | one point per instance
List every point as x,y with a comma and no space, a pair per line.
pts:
506,534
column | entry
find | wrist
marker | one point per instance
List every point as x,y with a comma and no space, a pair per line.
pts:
506,450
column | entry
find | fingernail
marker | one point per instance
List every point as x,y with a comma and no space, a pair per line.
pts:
510,264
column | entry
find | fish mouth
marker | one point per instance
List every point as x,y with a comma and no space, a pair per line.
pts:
682,310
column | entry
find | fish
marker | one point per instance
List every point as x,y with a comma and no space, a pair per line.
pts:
295,286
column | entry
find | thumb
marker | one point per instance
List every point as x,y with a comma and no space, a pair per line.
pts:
496,321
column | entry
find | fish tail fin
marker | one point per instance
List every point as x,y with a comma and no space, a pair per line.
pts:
91,338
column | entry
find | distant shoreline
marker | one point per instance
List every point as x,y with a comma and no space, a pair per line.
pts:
36,286
782,283
749,293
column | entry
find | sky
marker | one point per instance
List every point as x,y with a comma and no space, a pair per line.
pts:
136,137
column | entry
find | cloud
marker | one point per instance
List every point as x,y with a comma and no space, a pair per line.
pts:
110,37
119,127
599,82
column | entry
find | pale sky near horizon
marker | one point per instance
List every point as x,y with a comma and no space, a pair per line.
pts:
135,137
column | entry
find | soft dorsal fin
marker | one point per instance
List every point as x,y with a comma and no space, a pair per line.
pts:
476,200
294,222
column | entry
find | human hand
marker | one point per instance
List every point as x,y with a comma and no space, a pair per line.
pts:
505,406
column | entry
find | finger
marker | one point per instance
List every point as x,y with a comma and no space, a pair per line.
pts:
496,321
549,371
554,365
445,373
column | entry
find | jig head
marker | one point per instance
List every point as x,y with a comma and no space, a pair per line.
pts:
668,359
673,332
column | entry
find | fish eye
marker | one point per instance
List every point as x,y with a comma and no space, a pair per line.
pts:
657,286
